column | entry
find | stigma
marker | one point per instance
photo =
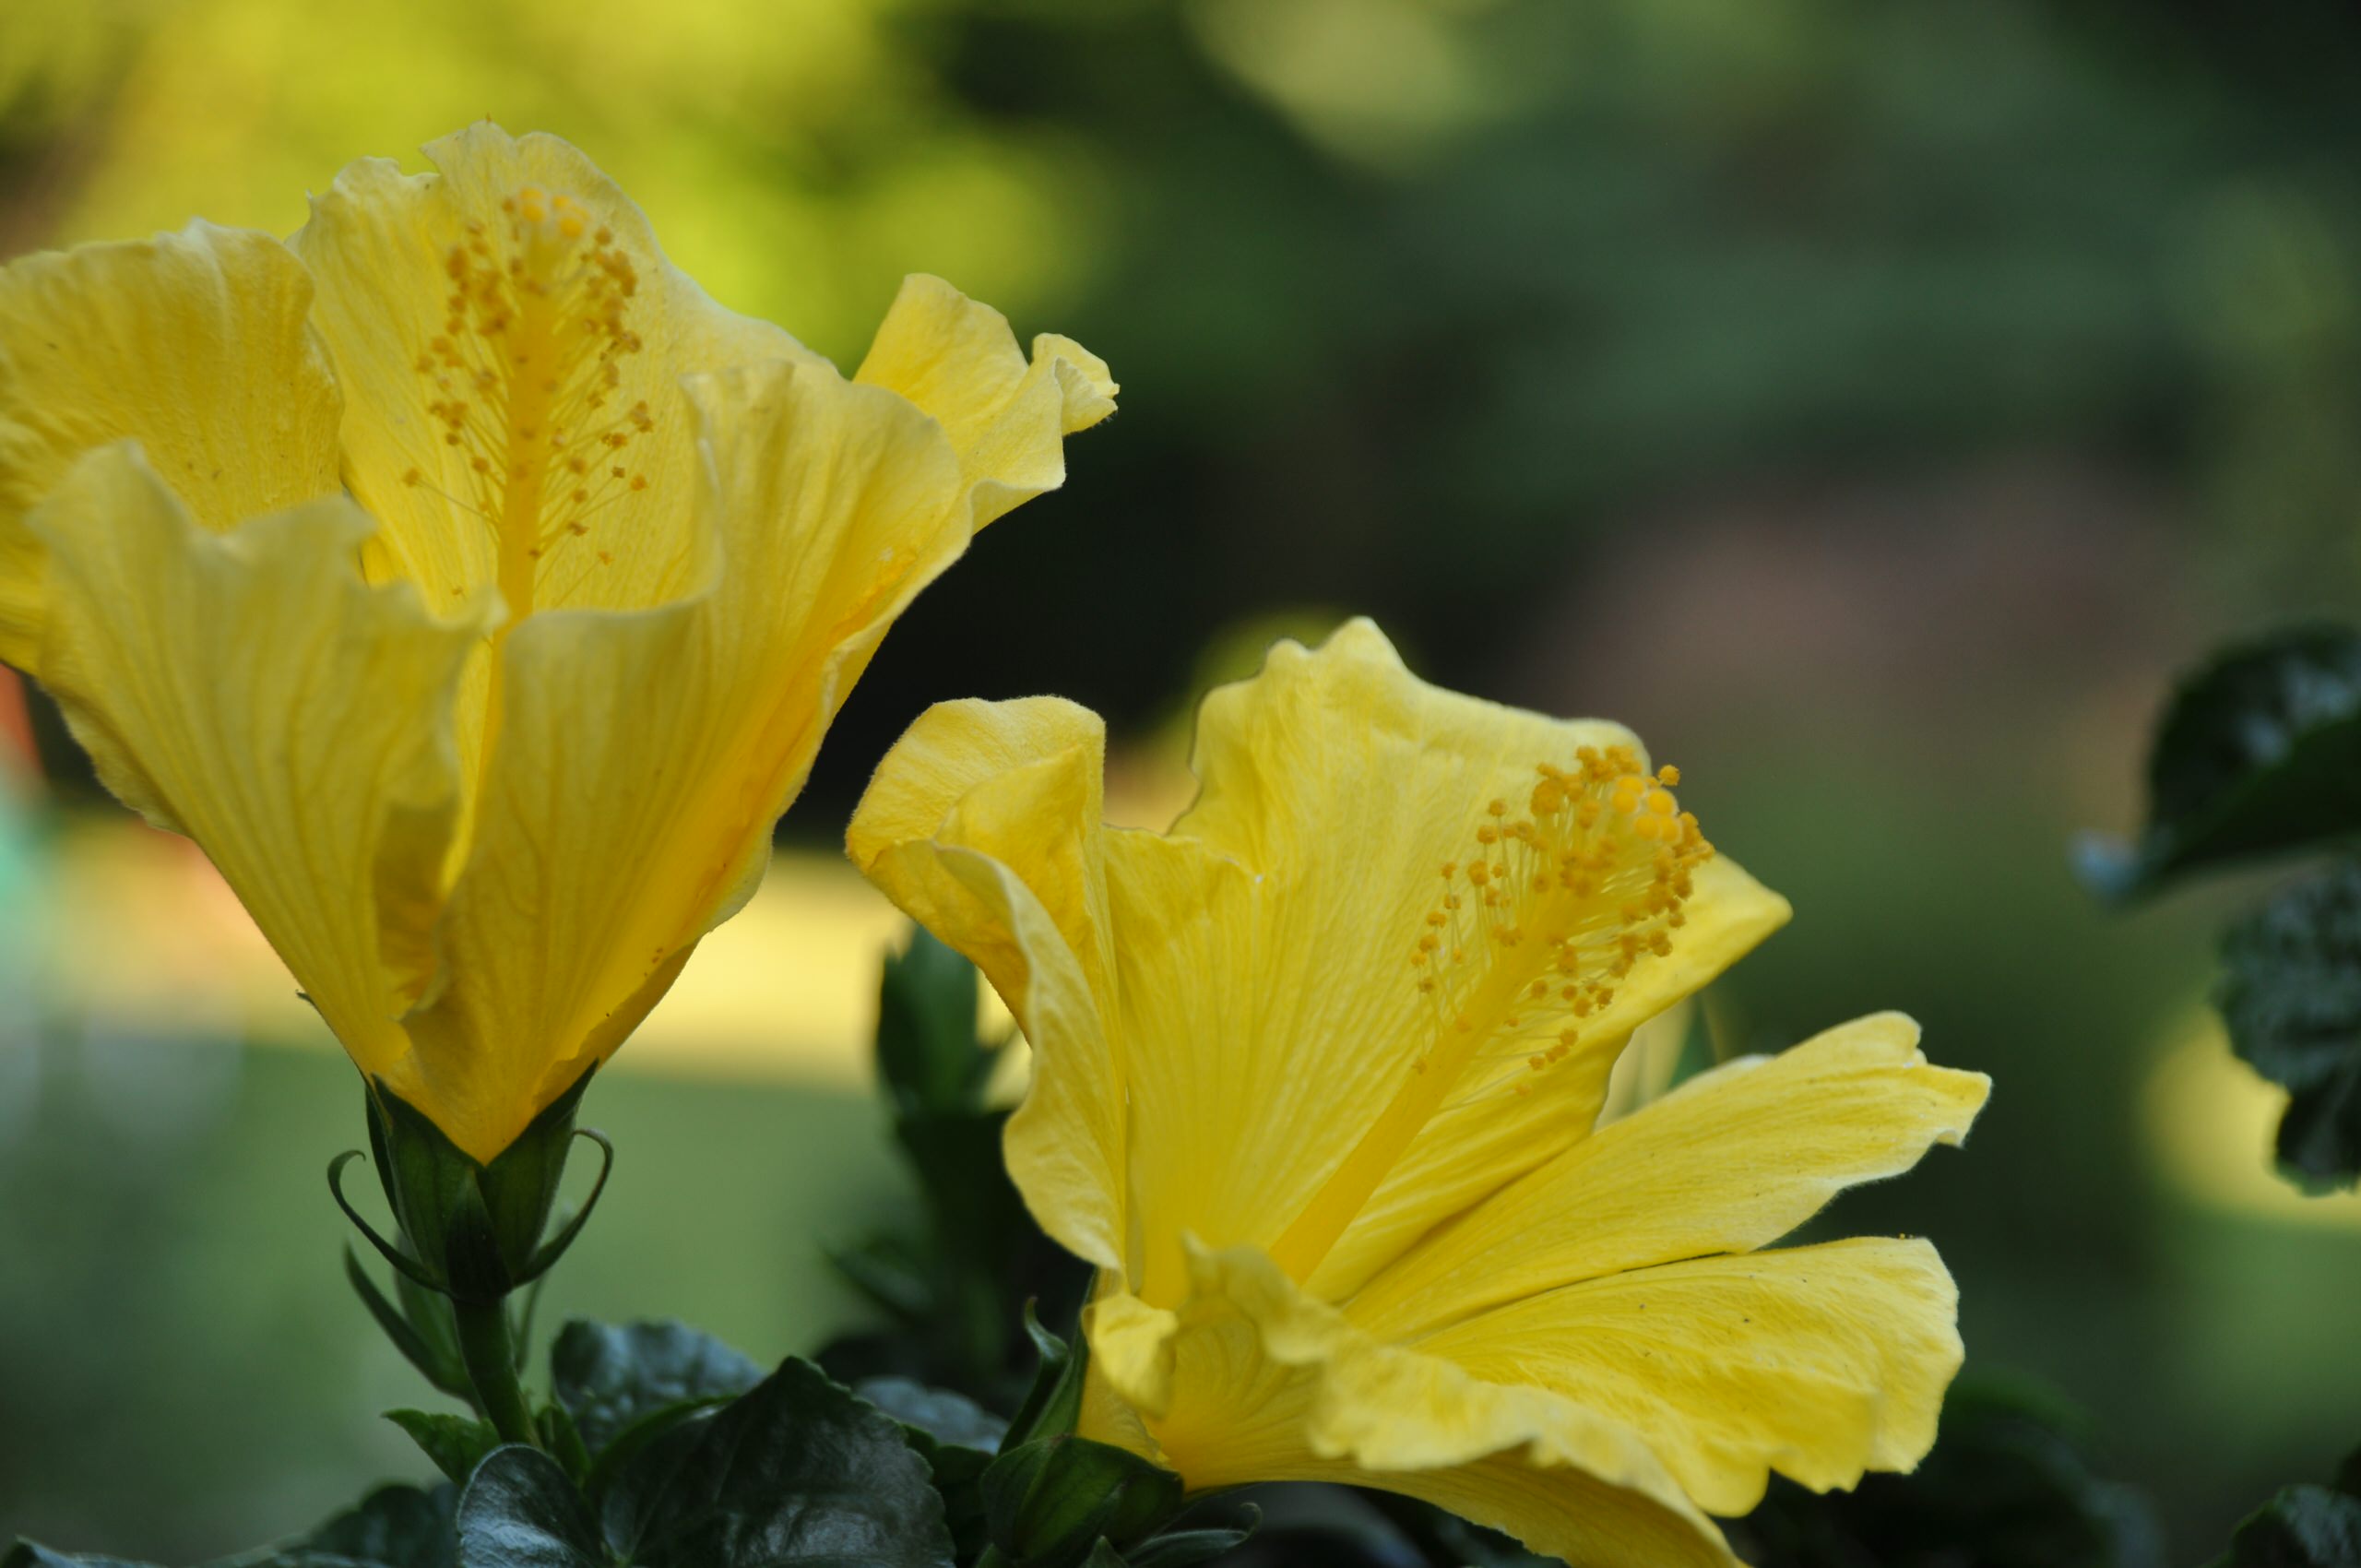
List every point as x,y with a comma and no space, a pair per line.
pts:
524,376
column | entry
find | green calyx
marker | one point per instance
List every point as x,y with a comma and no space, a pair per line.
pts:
471,1230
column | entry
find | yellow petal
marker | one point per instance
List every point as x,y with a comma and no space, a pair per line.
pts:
1344,782
983,824
380,243
1731,1161
193,344
1006,416
252,691
1262,1383
644,757
1819,1363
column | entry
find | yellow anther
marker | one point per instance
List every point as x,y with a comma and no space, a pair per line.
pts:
1497,808
1668,775
1660,802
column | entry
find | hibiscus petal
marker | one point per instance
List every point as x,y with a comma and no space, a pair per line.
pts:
1731,1161
1819,1363
1261,1382
193,344
251,690
983,822
957,359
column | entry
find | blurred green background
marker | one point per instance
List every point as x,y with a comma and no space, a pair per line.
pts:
1870,402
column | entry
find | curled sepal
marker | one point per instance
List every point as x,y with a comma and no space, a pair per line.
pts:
554,1249
402,1263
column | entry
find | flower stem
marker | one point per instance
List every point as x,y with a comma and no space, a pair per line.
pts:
491,1368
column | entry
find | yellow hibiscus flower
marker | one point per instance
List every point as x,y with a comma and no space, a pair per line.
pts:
1317,1075
473,588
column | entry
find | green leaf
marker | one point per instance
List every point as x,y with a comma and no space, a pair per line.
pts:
521,1511
1104,1555
927,1056
456,1444
798,1471
955,1436
2291,996
2260,753
609,1377
942,1416
2304,1526
1186,1549
397,1527
1046,1502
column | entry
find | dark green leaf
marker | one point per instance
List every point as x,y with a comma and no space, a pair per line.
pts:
29,1555
945,1416
2291,996
456,1444
623,1456
399,1527
2304,1526
927,1056
956,1437
395,1527
2260,751
521,1511
1186,1549
1047,1501
798,1471
610,1377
